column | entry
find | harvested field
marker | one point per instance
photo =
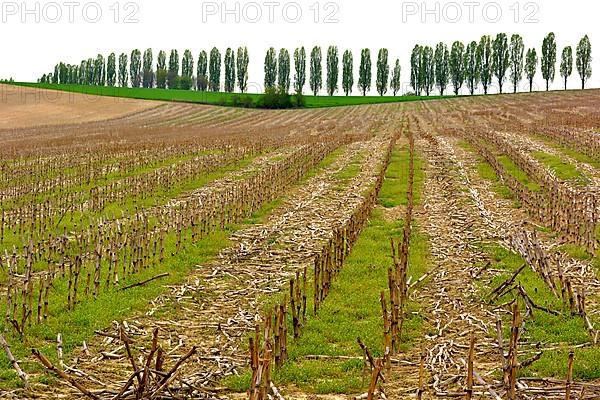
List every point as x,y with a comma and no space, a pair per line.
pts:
25,107
187,251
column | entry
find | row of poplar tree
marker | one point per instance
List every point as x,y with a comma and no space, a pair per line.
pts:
137,70
277,71
479,63
470,65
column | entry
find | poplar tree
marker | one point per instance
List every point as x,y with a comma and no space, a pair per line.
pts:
347,72
270,69
501,58
316,70
485,60
229,62
427,74
472,67
332,70
383,72
111,70
566,64
187,71
242,68
214,70
395,80
148,73
442,69
82,73
531,62
202,71
187,64
457,67
123,81
365,73
584,60
173,73
549,59
300,68
283,75
517,49
99,71
415,69
161,70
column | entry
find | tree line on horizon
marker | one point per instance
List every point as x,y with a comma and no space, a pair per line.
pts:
137,70
462,65
480,62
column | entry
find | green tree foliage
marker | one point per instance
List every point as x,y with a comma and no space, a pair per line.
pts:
187,65
275,98
135,68
214,69
485,60
427,74
161,70
55,75
531,63
442,68
549,59
173,74
316,70
347,72
123,81
333,69
457,67
186,80
229,71
99,71
270,68
584,60
566,64
161,61
90,71
283,76
501,58
111,70
415,69
364,72
395,80
383,72
202,72
517,49
472,67
242,68
82,74
300,70
147,70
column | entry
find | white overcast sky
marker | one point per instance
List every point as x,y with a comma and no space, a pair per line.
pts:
31,48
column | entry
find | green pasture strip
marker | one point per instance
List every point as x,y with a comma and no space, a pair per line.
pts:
219,98
352,308
513,169
561,168
544,328
569,151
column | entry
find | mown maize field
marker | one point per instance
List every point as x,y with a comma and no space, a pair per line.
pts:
430,249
